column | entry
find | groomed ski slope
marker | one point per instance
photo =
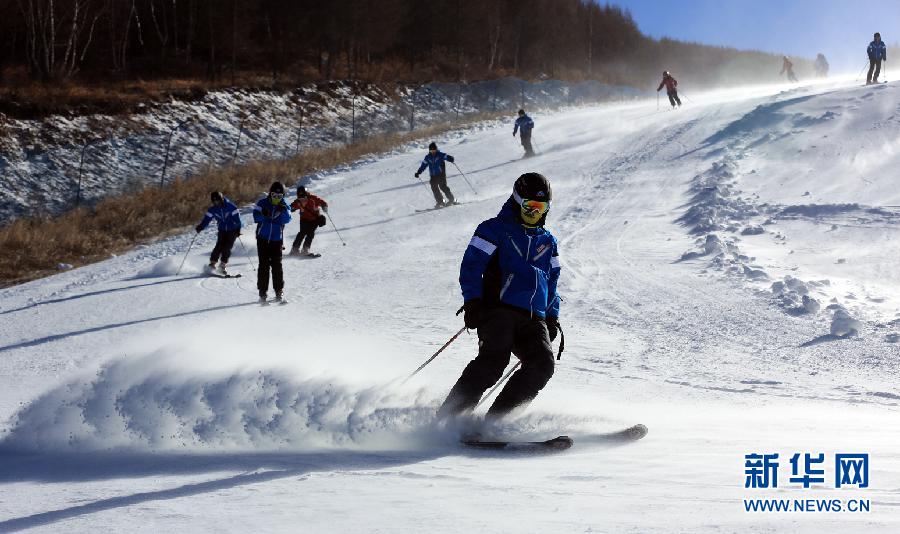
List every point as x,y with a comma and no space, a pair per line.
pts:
729,280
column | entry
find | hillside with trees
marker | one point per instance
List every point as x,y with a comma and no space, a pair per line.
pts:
282,42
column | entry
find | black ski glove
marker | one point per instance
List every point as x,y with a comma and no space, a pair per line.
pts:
267,212
450,159
552,327
198,228
417,175
472,314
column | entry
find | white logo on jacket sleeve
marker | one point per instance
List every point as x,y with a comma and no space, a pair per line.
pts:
483,245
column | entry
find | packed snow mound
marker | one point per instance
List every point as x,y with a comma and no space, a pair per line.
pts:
145,404
842,323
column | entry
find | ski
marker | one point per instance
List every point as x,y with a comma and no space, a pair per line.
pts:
281,302
310,256
559,443
632,433
215,275
440,208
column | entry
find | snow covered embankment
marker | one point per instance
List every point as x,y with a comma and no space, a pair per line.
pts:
806,174
40,159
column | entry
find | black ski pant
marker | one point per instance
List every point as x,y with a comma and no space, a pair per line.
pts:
306,235
526,143
438,184
874,68
673,98
269,259
224,243
503,331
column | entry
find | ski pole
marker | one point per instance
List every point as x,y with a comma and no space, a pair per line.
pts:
186,253
465,178
688,98
536,144
335,229
657,101
435,355
500,383
866,64
245,252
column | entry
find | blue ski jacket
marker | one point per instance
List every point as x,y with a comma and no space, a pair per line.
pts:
270,220
877,50
435,163
525,123
508,263
227,216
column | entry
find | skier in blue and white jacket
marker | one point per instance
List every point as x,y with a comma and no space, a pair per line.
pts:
434,161
228,220
271,214
508,277
877,52
524,124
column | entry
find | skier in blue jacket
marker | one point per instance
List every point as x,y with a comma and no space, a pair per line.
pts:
271,214
434,161
508,278
524,124
228,220
877,53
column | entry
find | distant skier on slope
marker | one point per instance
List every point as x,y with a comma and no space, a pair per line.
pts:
228,221
671,85
788,67
877,53
821,66
434,160
271,213
310,218
524,124
508,278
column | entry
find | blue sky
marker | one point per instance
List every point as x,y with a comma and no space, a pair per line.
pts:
840,29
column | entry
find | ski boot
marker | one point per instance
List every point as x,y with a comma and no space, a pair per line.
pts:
221,270
294,252
279,298
263,299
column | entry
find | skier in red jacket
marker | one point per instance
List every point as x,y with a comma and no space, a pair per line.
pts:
310,219
671,88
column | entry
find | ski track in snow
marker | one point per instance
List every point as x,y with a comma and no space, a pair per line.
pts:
728,279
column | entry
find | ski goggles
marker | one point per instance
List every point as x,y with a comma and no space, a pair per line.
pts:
276,196
534,208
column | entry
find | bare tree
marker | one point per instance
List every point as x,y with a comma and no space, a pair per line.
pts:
57,37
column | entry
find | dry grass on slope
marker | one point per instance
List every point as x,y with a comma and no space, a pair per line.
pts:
32,248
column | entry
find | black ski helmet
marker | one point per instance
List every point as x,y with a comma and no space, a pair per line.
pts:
521,112
276,187
877,35
432,146
301,191
665,73
216,196
532,186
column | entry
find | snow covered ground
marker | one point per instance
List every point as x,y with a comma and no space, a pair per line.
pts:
729,276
